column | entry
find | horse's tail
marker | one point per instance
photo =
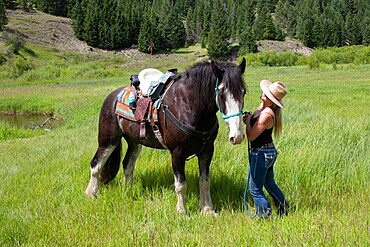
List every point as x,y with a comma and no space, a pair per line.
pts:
111,166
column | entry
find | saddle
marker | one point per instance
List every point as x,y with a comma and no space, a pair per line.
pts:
139,102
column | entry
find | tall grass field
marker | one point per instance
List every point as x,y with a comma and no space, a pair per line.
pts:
322,166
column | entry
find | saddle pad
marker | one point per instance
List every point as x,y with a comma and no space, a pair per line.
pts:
123,109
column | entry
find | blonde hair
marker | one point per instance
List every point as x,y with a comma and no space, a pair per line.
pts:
278,121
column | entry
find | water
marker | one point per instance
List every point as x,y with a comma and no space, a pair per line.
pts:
31,121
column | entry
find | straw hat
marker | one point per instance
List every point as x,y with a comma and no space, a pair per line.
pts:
274,91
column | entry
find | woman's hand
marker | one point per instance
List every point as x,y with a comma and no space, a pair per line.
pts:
246,117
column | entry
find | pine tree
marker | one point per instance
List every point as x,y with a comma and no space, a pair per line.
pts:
218,39
54,7
118,33
198,19
304,31
206,22
366,28
177,35
268,31
232,18
148,35
106,29
305,24
281,14
245,15
3,17
357,29
91,27
78,18
190,27
247,41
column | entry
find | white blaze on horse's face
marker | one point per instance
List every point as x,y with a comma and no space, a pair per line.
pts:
236,134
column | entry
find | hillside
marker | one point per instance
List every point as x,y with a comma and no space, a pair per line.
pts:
44,29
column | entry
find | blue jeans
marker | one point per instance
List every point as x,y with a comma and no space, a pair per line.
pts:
262,174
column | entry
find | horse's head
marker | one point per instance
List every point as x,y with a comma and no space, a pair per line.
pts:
229,93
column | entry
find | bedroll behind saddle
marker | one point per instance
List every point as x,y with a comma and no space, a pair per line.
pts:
152,81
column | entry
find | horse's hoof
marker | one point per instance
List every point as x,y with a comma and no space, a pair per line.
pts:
90,193
181,210
208,211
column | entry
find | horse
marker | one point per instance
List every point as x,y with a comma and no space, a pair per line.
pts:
187,122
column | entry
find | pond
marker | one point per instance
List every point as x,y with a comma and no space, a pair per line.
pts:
31,121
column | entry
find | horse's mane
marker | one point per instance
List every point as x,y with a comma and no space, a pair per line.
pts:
203,80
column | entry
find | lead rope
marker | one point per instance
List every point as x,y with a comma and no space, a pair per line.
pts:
247,185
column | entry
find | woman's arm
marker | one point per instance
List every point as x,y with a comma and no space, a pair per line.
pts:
264,121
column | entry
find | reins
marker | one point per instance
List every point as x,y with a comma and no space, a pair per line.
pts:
247,184
188,129
204,135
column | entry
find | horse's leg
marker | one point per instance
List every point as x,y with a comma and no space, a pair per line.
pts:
96,166
205,201
128,163
178,166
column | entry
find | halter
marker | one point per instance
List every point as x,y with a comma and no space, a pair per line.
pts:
218,105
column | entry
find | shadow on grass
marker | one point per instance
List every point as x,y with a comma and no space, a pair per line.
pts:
226,192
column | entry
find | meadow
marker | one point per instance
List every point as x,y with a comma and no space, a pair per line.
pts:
322,167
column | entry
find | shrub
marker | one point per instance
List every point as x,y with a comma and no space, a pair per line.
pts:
20,65
313,62
343,55
271,58
15,42
2,59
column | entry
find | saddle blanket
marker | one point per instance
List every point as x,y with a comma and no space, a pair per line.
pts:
123,109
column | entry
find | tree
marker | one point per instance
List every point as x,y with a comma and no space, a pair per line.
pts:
218,39
54,7
170,26
190,27
268,31
259,23
3,17
106,24
304,31
366,28
206,22
247,41
91,27
78,18
148,36
176,34
118,32
245,15
281,14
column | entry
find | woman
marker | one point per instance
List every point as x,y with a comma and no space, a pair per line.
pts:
262,156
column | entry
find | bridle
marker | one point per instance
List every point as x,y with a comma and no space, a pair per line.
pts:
219,107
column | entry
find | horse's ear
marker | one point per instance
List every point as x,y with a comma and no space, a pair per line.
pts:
216,70
242,65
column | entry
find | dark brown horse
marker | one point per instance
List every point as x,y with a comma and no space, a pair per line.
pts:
187,122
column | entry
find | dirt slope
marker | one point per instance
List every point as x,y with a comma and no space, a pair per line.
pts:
40,28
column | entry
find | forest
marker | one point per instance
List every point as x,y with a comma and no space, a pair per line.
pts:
216,24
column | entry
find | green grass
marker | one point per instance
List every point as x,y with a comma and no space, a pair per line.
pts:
322,167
